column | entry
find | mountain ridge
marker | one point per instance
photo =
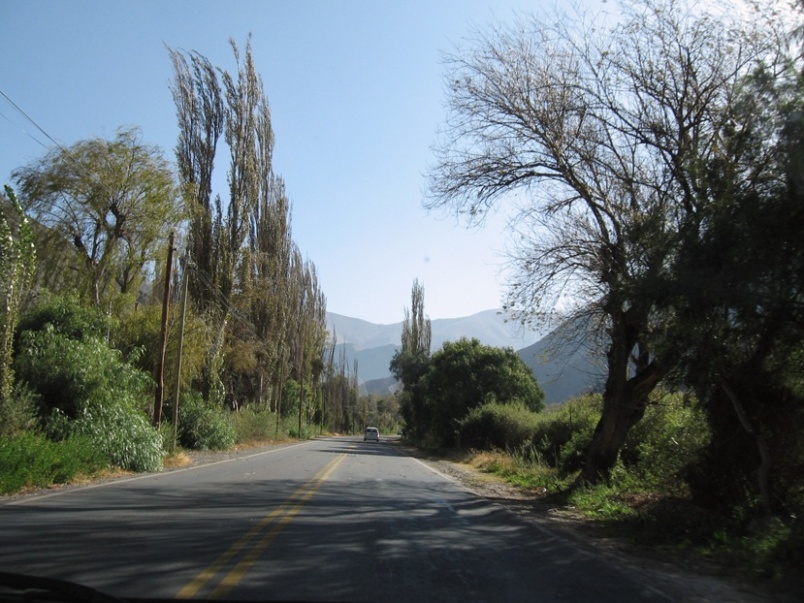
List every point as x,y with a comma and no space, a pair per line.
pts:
488,326
563,362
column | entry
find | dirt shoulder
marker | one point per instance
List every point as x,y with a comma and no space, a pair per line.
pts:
679,577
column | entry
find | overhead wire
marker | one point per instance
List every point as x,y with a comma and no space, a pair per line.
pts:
31,120
26,132
218,297
77,164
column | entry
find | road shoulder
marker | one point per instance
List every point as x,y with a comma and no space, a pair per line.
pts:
680,578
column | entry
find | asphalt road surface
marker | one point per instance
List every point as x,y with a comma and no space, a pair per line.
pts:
327,520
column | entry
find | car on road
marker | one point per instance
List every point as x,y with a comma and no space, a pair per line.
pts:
372,433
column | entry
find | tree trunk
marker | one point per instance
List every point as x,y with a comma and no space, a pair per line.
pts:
758,435
624,402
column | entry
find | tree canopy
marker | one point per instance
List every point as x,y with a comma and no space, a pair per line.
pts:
606,127
113,201
464,374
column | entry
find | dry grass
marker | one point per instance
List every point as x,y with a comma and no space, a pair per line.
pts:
490,461
176,460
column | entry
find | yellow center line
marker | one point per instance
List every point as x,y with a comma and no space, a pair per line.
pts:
233,577
289,508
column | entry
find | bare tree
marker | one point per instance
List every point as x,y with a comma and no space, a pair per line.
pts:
605,128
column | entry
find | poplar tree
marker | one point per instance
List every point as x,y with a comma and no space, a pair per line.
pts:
211,103
411,361
17,267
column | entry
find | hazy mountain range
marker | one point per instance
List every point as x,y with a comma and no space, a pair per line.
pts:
562,366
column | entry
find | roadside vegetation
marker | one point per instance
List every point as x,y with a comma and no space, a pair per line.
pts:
656,165
90,379
650,496
651,160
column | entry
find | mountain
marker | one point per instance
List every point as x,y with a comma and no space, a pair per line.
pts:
566,363
489,326
373,345
563,362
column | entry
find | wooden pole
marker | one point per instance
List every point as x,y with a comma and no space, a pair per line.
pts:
160,364
180,350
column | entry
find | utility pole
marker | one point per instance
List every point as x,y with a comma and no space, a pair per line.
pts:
180,348
160,365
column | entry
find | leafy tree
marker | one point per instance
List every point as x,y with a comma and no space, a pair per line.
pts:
17,266
211,103
606,127
246,267
463,375
113,202
339,390
265,283
410,362
736,330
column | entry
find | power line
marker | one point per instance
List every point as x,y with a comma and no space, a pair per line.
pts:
77,164
31,120
27,133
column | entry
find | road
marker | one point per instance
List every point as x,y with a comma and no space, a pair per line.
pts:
327,520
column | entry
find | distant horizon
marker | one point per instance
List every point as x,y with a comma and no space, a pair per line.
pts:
402,317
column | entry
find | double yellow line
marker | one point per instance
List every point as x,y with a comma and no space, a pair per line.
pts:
280,517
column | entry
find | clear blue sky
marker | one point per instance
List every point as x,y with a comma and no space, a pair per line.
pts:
356,94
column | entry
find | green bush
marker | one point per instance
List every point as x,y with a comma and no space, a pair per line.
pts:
253,425
502,426
118,430
466,374
672,435
564,432
66,315
203,426
19,413
70,374
85,388
31,460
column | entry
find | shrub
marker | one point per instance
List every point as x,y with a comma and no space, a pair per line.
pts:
563,434
118,430
19,413
31,460
203,426
86,388
69,374
493,425
253,425
672,435
466,374
66,315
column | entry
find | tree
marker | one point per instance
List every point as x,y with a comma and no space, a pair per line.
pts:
265,281
606,128
410,362
465,374
17,267
735,332
112,201
208,106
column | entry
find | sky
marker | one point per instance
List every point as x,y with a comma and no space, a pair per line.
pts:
357,95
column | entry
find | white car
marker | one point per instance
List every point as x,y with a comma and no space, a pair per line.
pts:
372,433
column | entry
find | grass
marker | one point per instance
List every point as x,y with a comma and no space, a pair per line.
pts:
666,519
518,471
